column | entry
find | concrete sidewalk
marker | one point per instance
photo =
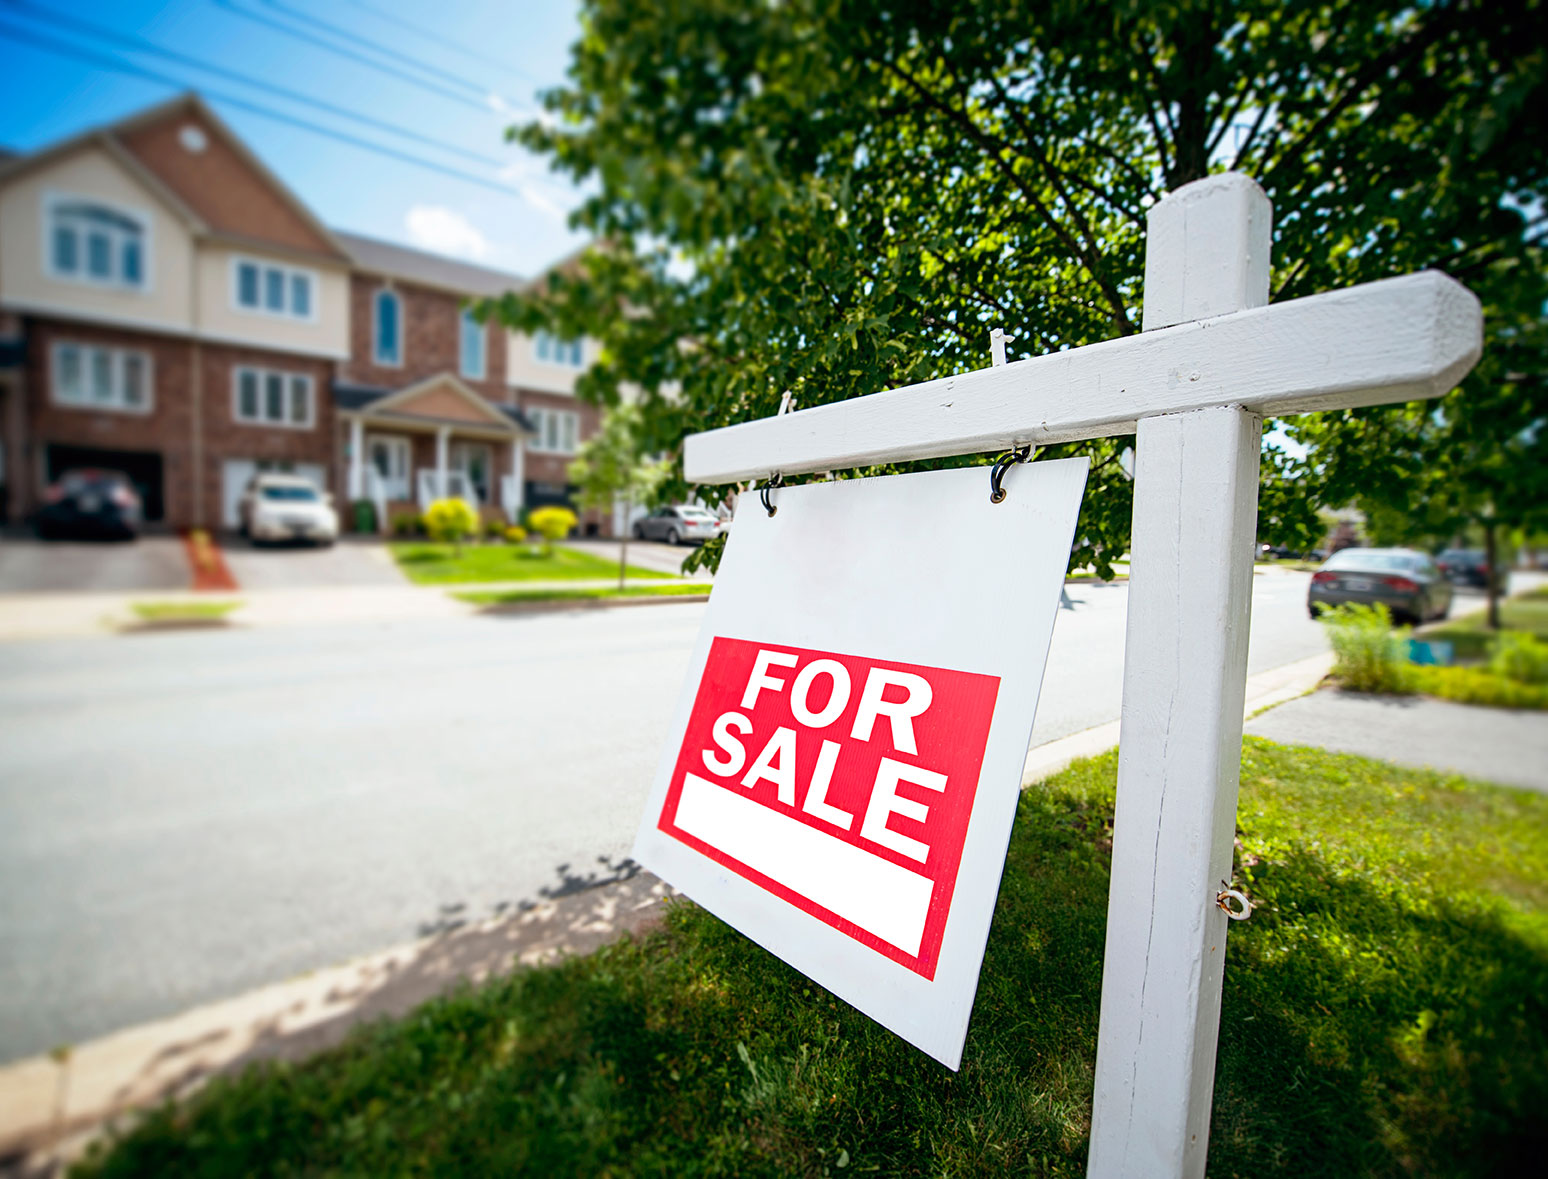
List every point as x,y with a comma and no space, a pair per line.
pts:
1493,744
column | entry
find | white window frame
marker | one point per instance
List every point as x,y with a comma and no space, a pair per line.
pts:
541,415
555,345
376,328
117,361
53,199
464,318
262,374
290,273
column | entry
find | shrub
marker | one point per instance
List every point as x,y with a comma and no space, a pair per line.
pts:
407,524
1519,656
553,523
450,520
1474,685
1369,656
515,534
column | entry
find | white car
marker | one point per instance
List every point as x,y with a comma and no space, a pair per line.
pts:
287,507
678,524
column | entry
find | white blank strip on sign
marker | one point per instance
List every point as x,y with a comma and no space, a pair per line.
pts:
880,897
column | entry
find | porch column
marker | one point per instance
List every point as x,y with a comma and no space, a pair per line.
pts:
442,445
356,459
518,476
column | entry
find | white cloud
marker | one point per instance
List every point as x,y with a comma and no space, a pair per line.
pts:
445,231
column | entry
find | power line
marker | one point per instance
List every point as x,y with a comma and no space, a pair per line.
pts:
119,66
376,47
432,35
301,35
139,44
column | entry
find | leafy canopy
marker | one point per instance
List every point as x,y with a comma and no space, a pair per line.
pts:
835,197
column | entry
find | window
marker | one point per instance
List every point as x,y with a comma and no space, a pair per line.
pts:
471,348
549,349
272,289
389,338
557,430
96,243
93,377
267,397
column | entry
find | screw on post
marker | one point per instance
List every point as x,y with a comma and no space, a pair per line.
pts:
997,341
1240,910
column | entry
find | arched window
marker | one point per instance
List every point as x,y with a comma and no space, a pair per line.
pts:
389,328
96,243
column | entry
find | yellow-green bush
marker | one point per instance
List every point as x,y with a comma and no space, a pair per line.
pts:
515,534
1369,656
552,523
449,520
1520,656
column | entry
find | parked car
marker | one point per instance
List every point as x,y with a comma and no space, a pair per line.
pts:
1465,567
1407,581
677,524
287,507
90,503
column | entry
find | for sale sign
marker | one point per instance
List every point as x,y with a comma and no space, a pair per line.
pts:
844,766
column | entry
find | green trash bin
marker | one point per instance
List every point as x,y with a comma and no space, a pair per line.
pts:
365,516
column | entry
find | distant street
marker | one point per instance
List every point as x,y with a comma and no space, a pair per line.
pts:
190,815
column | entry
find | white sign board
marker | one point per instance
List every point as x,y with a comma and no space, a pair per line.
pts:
843,766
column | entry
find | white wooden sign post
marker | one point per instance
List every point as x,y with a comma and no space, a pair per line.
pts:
1213,361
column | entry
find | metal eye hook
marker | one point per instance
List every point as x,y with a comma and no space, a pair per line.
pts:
1006,461
774,481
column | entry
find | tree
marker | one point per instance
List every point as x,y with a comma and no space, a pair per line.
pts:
449,520
612,467
834,197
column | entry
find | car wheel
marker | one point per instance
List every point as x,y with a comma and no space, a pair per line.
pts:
672,537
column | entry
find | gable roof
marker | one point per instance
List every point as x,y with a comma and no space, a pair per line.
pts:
400,403
421,266
127,142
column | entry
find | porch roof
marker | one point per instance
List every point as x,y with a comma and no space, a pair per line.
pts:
441,401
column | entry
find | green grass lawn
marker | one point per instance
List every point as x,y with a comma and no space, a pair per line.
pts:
1470,633
1386,1014
519,597
182,611
435,564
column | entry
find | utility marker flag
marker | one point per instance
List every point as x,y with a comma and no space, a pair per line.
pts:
843,767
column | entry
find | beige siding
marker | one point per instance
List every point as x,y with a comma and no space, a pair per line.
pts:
25,282
524,371
325,334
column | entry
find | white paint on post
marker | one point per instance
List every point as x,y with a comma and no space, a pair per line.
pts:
356,458
1395,340
1180,738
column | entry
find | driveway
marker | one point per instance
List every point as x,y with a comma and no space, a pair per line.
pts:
352,561
32,566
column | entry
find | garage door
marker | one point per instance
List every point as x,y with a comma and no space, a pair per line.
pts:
143,469
237,473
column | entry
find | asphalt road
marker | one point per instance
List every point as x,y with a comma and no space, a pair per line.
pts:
185,816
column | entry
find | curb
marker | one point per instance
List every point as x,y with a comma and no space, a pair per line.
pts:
555,604
1264,691
54,1105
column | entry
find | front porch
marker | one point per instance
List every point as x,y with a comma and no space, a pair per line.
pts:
429,441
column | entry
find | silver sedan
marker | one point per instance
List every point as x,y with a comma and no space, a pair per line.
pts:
677,525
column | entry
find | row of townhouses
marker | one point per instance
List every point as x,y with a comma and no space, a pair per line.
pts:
169,309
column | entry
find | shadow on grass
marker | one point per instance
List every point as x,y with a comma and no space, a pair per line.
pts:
1371,1027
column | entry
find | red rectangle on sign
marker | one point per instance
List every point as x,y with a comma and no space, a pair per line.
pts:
840,784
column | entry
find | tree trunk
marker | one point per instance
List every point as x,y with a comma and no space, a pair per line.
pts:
623,559
1493,578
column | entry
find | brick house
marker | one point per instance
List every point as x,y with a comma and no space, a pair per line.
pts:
168,308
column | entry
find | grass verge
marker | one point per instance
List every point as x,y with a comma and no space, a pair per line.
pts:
182,611
1477,685
438,564
1385,1014
588,593
1470,634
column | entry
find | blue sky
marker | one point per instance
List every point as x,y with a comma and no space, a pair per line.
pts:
455,73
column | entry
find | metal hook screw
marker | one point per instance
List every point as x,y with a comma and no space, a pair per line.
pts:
1239,911
1006,461
774,481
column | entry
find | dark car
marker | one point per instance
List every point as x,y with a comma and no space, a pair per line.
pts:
1406,581
1465,567
89,503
